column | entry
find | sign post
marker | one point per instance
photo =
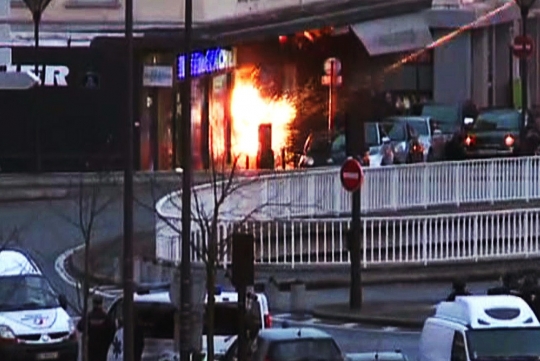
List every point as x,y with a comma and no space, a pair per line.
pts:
332,69
523,46
352,176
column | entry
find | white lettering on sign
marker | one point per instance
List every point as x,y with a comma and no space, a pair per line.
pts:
50,75
350,175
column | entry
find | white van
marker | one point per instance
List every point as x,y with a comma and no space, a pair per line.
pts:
481,328
156,314
34,324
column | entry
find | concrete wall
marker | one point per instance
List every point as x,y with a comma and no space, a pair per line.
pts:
452,69
474,65
5,54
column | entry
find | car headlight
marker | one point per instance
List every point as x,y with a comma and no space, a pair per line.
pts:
71,326
6,333
309,161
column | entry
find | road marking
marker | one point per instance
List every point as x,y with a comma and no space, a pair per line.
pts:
311,321
390,329
67,278
349,325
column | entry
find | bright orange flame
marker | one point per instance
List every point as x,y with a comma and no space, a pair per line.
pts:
249,109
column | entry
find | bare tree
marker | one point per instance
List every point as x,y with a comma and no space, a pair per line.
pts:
211,248
214,245
90,203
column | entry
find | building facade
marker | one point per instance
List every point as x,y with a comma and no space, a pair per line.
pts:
75,121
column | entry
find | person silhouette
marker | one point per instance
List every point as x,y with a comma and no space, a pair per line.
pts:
459,288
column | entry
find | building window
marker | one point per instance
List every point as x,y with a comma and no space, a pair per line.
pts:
93,4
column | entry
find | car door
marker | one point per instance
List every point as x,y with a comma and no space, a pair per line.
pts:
232,351
115,311
459,352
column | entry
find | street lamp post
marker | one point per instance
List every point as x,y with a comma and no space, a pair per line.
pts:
187,165
37,7
524,7
127,271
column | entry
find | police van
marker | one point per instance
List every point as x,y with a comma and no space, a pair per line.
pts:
481,328
34,324
155,313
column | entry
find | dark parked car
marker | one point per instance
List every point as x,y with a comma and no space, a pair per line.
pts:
494,133
289,344
408,136
322,149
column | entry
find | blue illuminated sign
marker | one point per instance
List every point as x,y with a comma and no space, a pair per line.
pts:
211,61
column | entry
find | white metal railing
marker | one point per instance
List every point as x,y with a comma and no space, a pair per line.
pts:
288,196
318,192
385,240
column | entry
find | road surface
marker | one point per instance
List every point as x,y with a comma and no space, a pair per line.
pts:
361,338
48,228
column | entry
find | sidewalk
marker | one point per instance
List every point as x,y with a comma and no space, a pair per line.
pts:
50,186
404,314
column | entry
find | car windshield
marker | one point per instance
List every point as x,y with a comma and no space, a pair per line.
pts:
338,145
226,318
26,292
372,135
157,319
318,142
420,127
394,130
443,113
305,350
497,120
507,344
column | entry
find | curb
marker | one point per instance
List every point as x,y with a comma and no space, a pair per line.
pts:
60,268
368,320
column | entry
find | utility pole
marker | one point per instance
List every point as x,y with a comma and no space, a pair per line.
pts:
128,314
187,165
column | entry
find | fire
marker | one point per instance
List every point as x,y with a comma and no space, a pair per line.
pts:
249,109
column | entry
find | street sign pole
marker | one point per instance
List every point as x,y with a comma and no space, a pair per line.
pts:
355,294
331,105
526,51
332,69
351,178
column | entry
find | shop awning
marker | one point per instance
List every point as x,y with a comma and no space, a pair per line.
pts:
317,15
394,34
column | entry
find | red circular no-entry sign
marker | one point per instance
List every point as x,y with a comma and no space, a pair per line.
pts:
522,47
351,175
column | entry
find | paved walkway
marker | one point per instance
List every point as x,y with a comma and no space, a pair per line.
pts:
402,314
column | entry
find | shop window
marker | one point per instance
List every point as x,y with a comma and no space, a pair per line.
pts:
217,117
